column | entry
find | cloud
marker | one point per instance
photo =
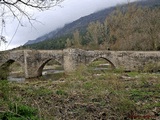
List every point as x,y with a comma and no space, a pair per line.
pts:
69,11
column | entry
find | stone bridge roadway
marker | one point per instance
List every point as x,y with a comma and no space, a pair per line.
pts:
33,61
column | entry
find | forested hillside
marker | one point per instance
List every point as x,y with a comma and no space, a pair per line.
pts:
80,24
128,27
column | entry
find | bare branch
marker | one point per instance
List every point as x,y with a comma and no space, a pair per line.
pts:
18,9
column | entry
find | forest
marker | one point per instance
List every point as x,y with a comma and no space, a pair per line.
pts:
129,27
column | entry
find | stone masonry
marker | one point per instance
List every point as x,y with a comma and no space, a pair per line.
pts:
33,61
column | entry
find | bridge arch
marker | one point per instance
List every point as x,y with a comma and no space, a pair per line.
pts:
7,63
110,62
42,65
5,68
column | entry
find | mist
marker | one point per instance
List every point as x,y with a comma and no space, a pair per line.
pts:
47,21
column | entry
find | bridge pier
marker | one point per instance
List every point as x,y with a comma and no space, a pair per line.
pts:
31,64
69,61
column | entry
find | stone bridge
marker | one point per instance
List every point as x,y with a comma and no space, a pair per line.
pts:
33,61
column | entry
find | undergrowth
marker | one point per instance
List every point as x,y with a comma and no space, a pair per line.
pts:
84,94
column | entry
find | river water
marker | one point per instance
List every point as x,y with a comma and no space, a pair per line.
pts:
53,74
47,74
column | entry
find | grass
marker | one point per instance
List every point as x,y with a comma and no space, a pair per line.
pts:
84,94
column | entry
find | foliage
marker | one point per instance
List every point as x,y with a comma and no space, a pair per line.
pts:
77,39
3,74
152,67
128,28
11,110
58,43
4,90
135,28
19,112
61,92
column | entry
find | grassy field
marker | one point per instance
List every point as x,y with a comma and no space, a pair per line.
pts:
84,94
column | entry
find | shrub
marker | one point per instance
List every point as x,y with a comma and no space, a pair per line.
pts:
19,112
4,90
3,74
152,67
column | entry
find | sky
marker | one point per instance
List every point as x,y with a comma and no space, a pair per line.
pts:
49,20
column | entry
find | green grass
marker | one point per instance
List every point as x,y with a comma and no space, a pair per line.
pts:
19,112
83,94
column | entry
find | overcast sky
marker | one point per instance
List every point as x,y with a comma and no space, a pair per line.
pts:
52,19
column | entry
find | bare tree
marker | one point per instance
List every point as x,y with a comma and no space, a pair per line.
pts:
20,8
136,28
77,39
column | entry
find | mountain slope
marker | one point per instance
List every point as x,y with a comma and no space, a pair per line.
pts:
79,24
83,22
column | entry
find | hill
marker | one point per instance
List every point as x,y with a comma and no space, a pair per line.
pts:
81,24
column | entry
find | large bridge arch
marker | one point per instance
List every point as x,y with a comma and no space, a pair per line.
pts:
41,66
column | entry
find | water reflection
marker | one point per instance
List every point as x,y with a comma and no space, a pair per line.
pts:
51,71
16,79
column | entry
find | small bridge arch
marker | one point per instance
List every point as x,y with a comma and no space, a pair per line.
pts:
7,63
5,68
107,60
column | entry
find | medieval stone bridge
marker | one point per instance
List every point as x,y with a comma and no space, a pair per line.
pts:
33,61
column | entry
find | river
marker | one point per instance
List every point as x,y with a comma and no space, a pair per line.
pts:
47,74
53,74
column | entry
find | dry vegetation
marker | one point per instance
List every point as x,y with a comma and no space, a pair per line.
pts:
136,29
84,94
127,28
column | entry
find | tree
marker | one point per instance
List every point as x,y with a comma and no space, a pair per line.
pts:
77,39
68,43
94,31
18,9
105,36
135,28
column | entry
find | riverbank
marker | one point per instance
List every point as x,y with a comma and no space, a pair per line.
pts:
82,95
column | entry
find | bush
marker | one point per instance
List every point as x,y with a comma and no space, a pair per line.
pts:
4,74
152,67
4,90
19,112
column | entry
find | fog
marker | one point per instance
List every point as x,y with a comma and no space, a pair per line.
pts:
47,21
